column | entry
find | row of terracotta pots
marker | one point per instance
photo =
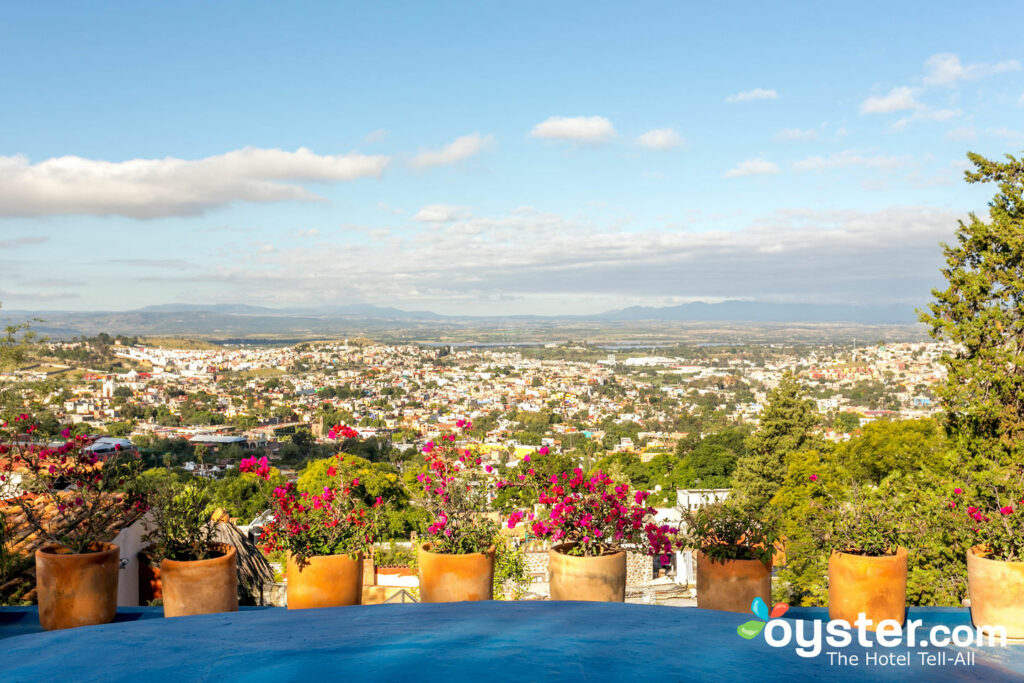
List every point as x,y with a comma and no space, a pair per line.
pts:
80,589
874,586
336,580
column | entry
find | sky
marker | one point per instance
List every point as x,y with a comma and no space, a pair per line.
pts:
494,158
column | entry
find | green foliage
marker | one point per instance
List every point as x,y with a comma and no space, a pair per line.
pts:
180,524
887,446
243,495
982,312
710,462
725,530
392,555
785,428
510,578
819,515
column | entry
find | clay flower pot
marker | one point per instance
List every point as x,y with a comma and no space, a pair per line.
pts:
591,579
996,589
325,581
731,585
77,589
455,578
149,580
201,586
876,586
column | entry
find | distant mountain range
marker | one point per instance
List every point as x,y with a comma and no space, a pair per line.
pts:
227,321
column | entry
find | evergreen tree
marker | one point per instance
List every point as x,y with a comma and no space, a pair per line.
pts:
785,428
982,312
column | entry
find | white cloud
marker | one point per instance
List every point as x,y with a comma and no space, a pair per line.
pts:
660,138
312,232
850,158
926,114
151,188
752,95
962,134
897,99
796,135
946,69
441,213
376,136
457,150
753,167
575,129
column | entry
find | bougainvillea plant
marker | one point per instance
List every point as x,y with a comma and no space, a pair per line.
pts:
725,530
992,517
335,521
591,515
455,494
78,494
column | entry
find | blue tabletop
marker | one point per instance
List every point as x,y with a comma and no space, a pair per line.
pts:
493,641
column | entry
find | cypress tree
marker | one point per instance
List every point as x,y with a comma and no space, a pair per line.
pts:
785,428
982,312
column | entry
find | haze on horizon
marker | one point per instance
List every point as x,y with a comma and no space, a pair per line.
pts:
479,160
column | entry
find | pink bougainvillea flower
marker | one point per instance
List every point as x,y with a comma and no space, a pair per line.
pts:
958,491
813,477
65,433
1006,510
543,450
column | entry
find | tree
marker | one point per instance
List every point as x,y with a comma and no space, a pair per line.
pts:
785,428
982,312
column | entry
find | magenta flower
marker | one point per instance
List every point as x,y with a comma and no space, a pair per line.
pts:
813,477
1006,510
958,491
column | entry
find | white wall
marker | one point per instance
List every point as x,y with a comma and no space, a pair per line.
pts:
129,540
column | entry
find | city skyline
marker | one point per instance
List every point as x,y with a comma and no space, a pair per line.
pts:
473,160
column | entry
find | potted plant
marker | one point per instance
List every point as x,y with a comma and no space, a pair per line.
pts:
733,546
74,498
198,574
326,535
590,519
456,562
992,520
864,534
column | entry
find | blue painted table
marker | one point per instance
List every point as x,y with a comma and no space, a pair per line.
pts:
493,641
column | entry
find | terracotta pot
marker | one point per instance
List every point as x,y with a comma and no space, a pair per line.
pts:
731,586
996,588
201,586
326,581
149,580
876,586
592,579
77,589
455,578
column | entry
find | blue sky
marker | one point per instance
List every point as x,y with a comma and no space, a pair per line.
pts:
493,157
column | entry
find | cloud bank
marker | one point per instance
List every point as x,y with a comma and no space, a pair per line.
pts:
153,188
